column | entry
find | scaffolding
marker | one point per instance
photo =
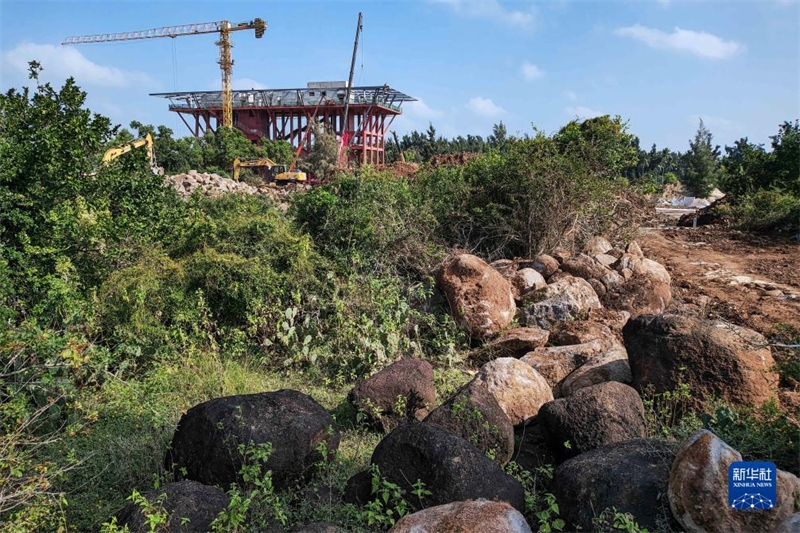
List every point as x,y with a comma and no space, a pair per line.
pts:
285,114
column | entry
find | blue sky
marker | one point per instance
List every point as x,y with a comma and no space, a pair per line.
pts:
659,64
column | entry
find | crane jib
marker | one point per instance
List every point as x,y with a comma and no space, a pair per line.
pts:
223,27
170,31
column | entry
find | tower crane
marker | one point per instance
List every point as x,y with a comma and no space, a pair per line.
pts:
223,27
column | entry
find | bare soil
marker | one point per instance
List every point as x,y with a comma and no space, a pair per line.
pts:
749,280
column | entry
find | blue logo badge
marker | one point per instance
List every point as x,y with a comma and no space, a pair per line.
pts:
752,485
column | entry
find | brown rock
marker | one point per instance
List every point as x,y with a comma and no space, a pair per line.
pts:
474,415
714,358
546,265
555,363
526,280
481,300
518,341
698,490
473,516
611,365
597,245
582,331
407,384
583,266
516,386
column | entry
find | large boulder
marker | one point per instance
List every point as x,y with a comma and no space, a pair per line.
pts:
478,516
611,365
474,415
698,490
566,299
714,358
518,388
481,299
402,391
630,476
450,467
592,417
190,506
205,447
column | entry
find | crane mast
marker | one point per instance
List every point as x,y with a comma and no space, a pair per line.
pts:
223,27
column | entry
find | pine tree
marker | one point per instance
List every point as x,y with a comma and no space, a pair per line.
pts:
702,159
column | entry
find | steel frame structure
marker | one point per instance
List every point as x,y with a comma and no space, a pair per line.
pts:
285,114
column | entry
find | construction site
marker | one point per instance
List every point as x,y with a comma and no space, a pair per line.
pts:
360,117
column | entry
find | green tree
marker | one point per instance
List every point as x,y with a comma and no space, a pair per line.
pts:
786,150
324,158
702,161
61,213
745,168
279,151
499,138
173,155
603,143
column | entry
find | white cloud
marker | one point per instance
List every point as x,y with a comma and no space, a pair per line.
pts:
61,62
485,107
531,72
421,110
242,84
665,3
583,112
571,95
491,10
696,42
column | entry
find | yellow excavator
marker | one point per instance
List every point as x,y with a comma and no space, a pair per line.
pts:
114,153
272,171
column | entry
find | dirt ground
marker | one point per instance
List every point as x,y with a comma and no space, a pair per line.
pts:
748,280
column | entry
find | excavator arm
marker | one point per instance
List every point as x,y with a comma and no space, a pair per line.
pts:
113,153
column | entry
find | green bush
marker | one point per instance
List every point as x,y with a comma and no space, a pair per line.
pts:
369,221
765,210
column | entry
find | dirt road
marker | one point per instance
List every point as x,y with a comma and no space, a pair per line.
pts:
748,280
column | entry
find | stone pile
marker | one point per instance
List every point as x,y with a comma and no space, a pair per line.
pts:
592,334
207,184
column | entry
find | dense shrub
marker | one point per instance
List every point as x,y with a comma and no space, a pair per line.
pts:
542,194
370,221
765,210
